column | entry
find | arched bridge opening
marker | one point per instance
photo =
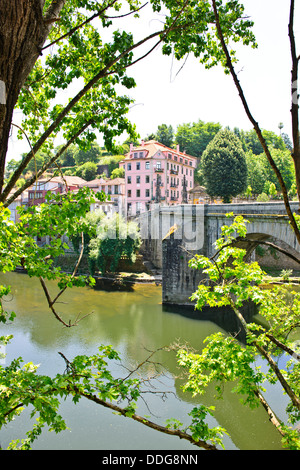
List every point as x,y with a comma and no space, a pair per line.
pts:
269,251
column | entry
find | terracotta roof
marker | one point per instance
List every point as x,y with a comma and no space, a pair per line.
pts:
152,147
100,181
198,189
117,181
70,180
93,183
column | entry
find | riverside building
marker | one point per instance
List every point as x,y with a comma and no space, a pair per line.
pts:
155,173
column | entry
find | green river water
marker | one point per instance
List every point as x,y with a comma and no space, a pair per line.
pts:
132,322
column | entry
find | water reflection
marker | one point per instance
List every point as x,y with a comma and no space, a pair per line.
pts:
134,323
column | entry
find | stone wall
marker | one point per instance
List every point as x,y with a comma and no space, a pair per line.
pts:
179,281
68,261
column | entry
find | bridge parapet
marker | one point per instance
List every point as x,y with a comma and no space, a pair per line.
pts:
252,208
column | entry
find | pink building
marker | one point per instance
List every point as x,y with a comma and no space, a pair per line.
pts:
114,189
155,173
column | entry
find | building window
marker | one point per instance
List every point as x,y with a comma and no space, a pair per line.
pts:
35,195
138,166
175,158
129,179
147,179
138,179
169,156
116,189
128,166
147,193
141,155
135,155
138,193
129,193
147,166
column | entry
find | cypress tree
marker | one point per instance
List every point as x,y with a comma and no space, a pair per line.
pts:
224,166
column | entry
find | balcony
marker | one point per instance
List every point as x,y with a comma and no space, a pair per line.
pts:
173,172
174,198
158,170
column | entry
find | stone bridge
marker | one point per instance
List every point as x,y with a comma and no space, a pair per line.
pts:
173,235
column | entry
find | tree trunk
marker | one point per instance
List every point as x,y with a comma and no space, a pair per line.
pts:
295,98
23,31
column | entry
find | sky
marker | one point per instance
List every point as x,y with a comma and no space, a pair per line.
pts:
163,96
170,92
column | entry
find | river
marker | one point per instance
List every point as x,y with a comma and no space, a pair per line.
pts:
133,323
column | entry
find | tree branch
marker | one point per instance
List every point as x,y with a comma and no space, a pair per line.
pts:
52,302
103,73
54,10
74,271
257,242
282,346
295,400
142,420
295,96
276,247
274,420
39,173
96,15
255,123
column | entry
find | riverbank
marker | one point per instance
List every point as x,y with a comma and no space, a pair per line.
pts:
118,281
125,281
281,276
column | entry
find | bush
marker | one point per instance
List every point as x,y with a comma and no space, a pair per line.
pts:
115,238
263,197
87,171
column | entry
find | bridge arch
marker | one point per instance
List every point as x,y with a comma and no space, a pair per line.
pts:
270,251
